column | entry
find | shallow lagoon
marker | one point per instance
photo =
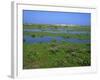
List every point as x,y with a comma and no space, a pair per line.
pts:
47,39
49,48
60,30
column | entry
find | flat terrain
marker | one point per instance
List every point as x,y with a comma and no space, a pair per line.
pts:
49,46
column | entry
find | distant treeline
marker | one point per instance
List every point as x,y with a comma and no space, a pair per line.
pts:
40,26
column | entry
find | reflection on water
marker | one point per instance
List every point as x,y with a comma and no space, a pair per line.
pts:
47,39
60,30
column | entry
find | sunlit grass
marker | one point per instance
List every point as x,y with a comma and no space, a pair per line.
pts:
48,55
46,26
56,54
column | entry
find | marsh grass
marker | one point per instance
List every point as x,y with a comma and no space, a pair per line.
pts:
56,54
33,35
45,26
46,55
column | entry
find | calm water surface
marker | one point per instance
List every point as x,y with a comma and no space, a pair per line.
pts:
47,39
56,31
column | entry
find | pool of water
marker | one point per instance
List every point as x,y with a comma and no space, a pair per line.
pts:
47,39
56,31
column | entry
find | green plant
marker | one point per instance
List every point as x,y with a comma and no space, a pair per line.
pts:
33,35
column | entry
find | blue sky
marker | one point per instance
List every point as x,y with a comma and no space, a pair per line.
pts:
49,17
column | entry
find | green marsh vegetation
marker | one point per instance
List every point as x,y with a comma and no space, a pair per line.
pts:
56,54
